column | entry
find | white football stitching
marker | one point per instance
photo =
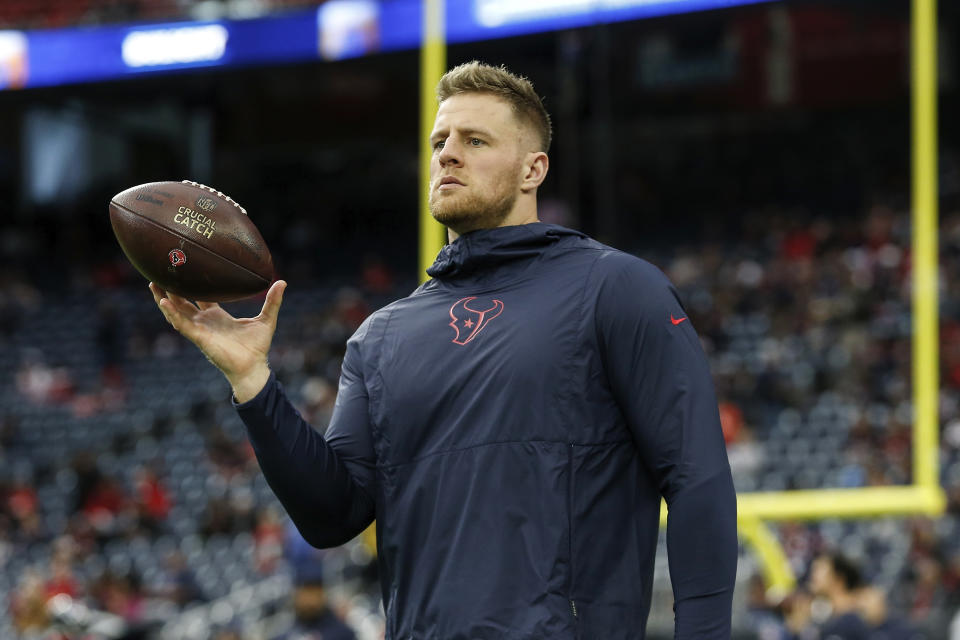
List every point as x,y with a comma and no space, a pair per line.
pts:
219,193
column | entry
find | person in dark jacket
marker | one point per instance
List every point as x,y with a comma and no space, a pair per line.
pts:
837,580
511,425
313,617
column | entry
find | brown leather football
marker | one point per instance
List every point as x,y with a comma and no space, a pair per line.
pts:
191,240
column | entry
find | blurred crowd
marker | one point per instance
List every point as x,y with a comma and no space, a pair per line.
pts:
807,324
805,315
126,498
76,562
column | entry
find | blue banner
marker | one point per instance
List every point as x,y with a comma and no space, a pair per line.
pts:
337,29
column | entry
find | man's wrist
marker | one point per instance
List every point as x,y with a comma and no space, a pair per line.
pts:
247,386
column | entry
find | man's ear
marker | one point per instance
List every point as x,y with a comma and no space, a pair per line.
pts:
535,167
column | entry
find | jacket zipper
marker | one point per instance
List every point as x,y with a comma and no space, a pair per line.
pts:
573,605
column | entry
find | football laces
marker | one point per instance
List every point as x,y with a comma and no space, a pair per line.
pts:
218,193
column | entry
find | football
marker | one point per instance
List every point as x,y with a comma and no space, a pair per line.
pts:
191,240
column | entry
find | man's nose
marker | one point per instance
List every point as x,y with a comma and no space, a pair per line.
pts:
450,154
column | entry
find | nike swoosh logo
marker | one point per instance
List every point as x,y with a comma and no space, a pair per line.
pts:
677,320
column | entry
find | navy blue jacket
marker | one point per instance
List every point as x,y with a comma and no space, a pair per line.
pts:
327,626
512,426
848,626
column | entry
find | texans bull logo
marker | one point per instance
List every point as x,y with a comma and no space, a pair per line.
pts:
177,257
468,322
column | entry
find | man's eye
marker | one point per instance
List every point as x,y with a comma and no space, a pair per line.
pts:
438,145
476,142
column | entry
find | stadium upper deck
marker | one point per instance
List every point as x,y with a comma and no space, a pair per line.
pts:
47,14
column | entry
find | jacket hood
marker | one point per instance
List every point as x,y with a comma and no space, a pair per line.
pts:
483,249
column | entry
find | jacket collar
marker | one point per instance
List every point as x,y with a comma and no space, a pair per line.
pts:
486,249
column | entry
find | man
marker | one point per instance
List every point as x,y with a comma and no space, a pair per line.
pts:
837,580
313,618
513,423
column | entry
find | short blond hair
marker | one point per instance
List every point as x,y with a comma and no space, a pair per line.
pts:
477,77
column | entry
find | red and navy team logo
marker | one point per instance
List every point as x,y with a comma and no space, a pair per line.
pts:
468,322
177,257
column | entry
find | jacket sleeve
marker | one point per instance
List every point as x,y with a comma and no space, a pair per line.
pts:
660,379
326,484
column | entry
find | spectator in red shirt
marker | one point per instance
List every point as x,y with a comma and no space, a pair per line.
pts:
61,579
153,500
104,506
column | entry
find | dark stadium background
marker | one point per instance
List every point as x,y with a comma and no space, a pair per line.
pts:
730,175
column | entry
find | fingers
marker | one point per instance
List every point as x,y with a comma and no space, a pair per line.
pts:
183,306
271,306
157,292
175,309
207,305
159,295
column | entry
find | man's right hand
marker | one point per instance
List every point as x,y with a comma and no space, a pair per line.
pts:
236,346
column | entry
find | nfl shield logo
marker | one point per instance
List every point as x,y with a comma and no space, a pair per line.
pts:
206,204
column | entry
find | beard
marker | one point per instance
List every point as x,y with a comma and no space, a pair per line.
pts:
463,212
